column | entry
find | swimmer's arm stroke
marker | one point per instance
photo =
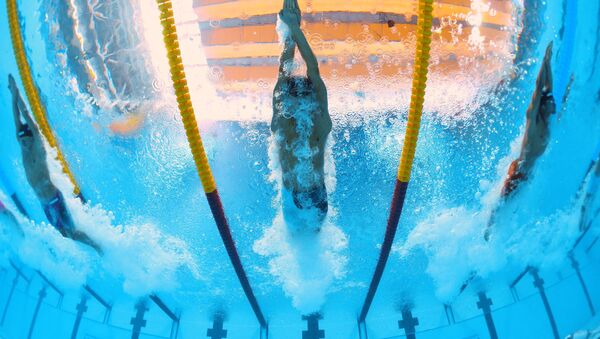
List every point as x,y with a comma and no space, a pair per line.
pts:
285,60
534,105
27,115
313,73
287,56
291,16
17,111
275,105
290,7
312,65
543,84
20,109
289,45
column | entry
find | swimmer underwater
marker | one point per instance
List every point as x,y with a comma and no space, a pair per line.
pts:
301,125
36,169
537,134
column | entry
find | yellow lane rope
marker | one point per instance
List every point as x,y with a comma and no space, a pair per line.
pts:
418,88
183,96
408,151
191,129
39,112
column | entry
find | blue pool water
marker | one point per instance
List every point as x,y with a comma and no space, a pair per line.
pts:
166,274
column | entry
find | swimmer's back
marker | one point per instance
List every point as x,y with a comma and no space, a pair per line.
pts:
288,137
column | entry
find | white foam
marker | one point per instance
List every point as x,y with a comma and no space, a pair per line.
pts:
138,254
283,31
307,264
42,248
453,242
60,259
146,259
452,237
8,240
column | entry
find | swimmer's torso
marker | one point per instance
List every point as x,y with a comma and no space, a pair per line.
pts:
301,135
36,169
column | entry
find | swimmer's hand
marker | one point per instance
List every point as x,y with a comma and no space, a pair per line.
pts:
12,85
290,17
291,4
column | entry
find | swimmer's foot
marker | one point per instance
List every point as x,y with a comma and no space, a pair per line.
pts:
486,234
467,282
86,240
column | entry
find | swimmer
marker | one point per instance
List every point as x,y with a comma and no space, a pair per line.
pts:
537,132
593,173
301,123
38,176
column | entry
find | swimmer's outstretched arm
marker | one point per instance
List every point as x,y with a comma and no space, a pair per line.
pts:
547,81
543,85
20,108
287,56
312,65
289,45
285,60
27,115
15,104
16,114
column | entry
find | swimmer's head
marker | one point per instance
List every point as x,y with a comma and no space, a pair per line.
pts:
299,87
547,106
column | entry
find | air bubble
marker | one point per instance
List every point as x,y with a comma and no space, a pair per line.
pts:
157,85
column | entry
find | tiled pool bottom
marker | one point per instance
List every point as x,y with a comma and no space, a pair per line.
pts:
532,306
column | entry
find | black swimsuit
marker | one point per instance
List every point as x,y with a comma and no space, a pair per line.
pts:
317,198
57,214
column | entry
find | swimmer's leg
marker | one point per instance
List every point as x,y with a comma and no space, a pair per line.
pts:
488,229
322,210
318,202
582,217
61,219
467,282
72,233
85,239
